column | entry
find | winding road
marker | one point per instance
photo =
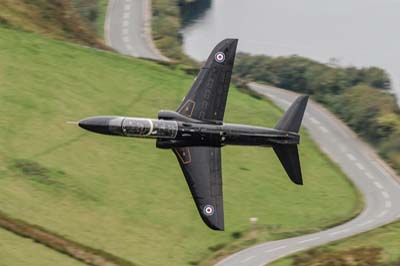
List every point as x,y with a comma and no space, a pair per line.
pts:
376,181
127,31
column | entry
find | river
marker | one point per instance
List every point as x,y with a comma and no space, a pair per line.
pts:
347,32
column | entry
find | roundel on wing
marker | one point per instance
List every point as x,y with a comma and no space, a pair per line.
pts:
208,210
219,57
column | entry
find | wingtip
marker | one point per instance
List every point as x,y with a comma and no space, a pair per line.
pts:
216,227
300,183
233,40
230,40
214,223
227,43
297,181
303,98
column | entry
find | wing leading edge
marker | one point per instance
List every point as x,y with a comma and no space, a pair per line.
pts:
206,100
202,169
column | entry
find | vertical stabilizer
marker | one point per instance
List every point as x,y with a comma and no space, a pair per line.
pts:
291,120
289,154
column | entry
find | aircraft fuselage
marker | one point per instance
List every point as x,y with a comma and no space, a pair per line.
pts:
171,133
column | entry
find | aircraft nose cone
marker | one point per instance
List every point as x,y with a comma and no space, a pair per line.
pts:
98,124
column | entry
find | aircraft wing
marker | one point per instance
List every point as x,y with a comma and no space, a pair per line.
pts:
206,100
202,169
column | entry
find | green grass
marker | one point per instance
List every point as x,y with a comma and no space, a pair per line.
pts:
386,237
18,251
123,195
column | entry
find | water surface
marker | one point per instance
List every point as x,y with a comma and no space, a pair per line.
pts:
353,32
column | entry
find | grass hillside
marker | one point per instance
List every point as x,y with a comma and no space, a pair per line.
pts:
123,195
13,248
60,19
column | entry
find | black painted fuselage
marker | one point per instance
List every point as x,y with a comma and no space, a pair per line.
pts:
174,131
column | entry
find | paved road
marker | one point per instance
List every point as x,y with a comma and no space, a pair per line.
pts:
127,31
376,181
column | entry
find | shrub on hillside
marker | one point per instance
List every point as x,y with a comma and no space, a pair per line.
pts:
365,256
54,18
306,75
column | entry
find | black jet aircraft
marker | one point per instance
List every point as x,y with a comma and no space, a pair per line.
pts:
196,133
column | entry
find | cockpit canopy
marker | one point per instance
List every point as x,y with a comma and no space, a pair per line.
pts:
136,127
139,127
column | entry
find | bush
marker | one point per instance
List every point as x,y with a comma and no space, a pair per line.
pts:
307,76
354,257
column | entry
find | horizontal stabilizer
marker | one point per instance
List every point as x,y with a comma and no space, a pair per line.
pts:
289,157
291,120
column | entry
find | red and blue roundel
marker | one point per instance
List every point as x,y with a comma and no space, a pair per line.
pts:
208,210
219,57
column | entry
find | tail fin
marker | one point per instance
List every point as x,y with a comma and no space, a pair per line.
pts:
291,120
289,157
289,154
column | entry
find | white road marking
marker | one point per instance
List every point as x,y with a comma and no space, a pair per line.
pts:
360,166
297,250
127,15
382,214
385,194
378,185
125,31
308,240
247,259
388,204
369,175
384,173
365,223
127,7
339,232
323,129
125,23
275,249
351,157
314,121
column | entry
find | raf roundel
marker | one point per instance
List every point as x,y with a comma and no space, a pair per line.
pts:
208,210
219,57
